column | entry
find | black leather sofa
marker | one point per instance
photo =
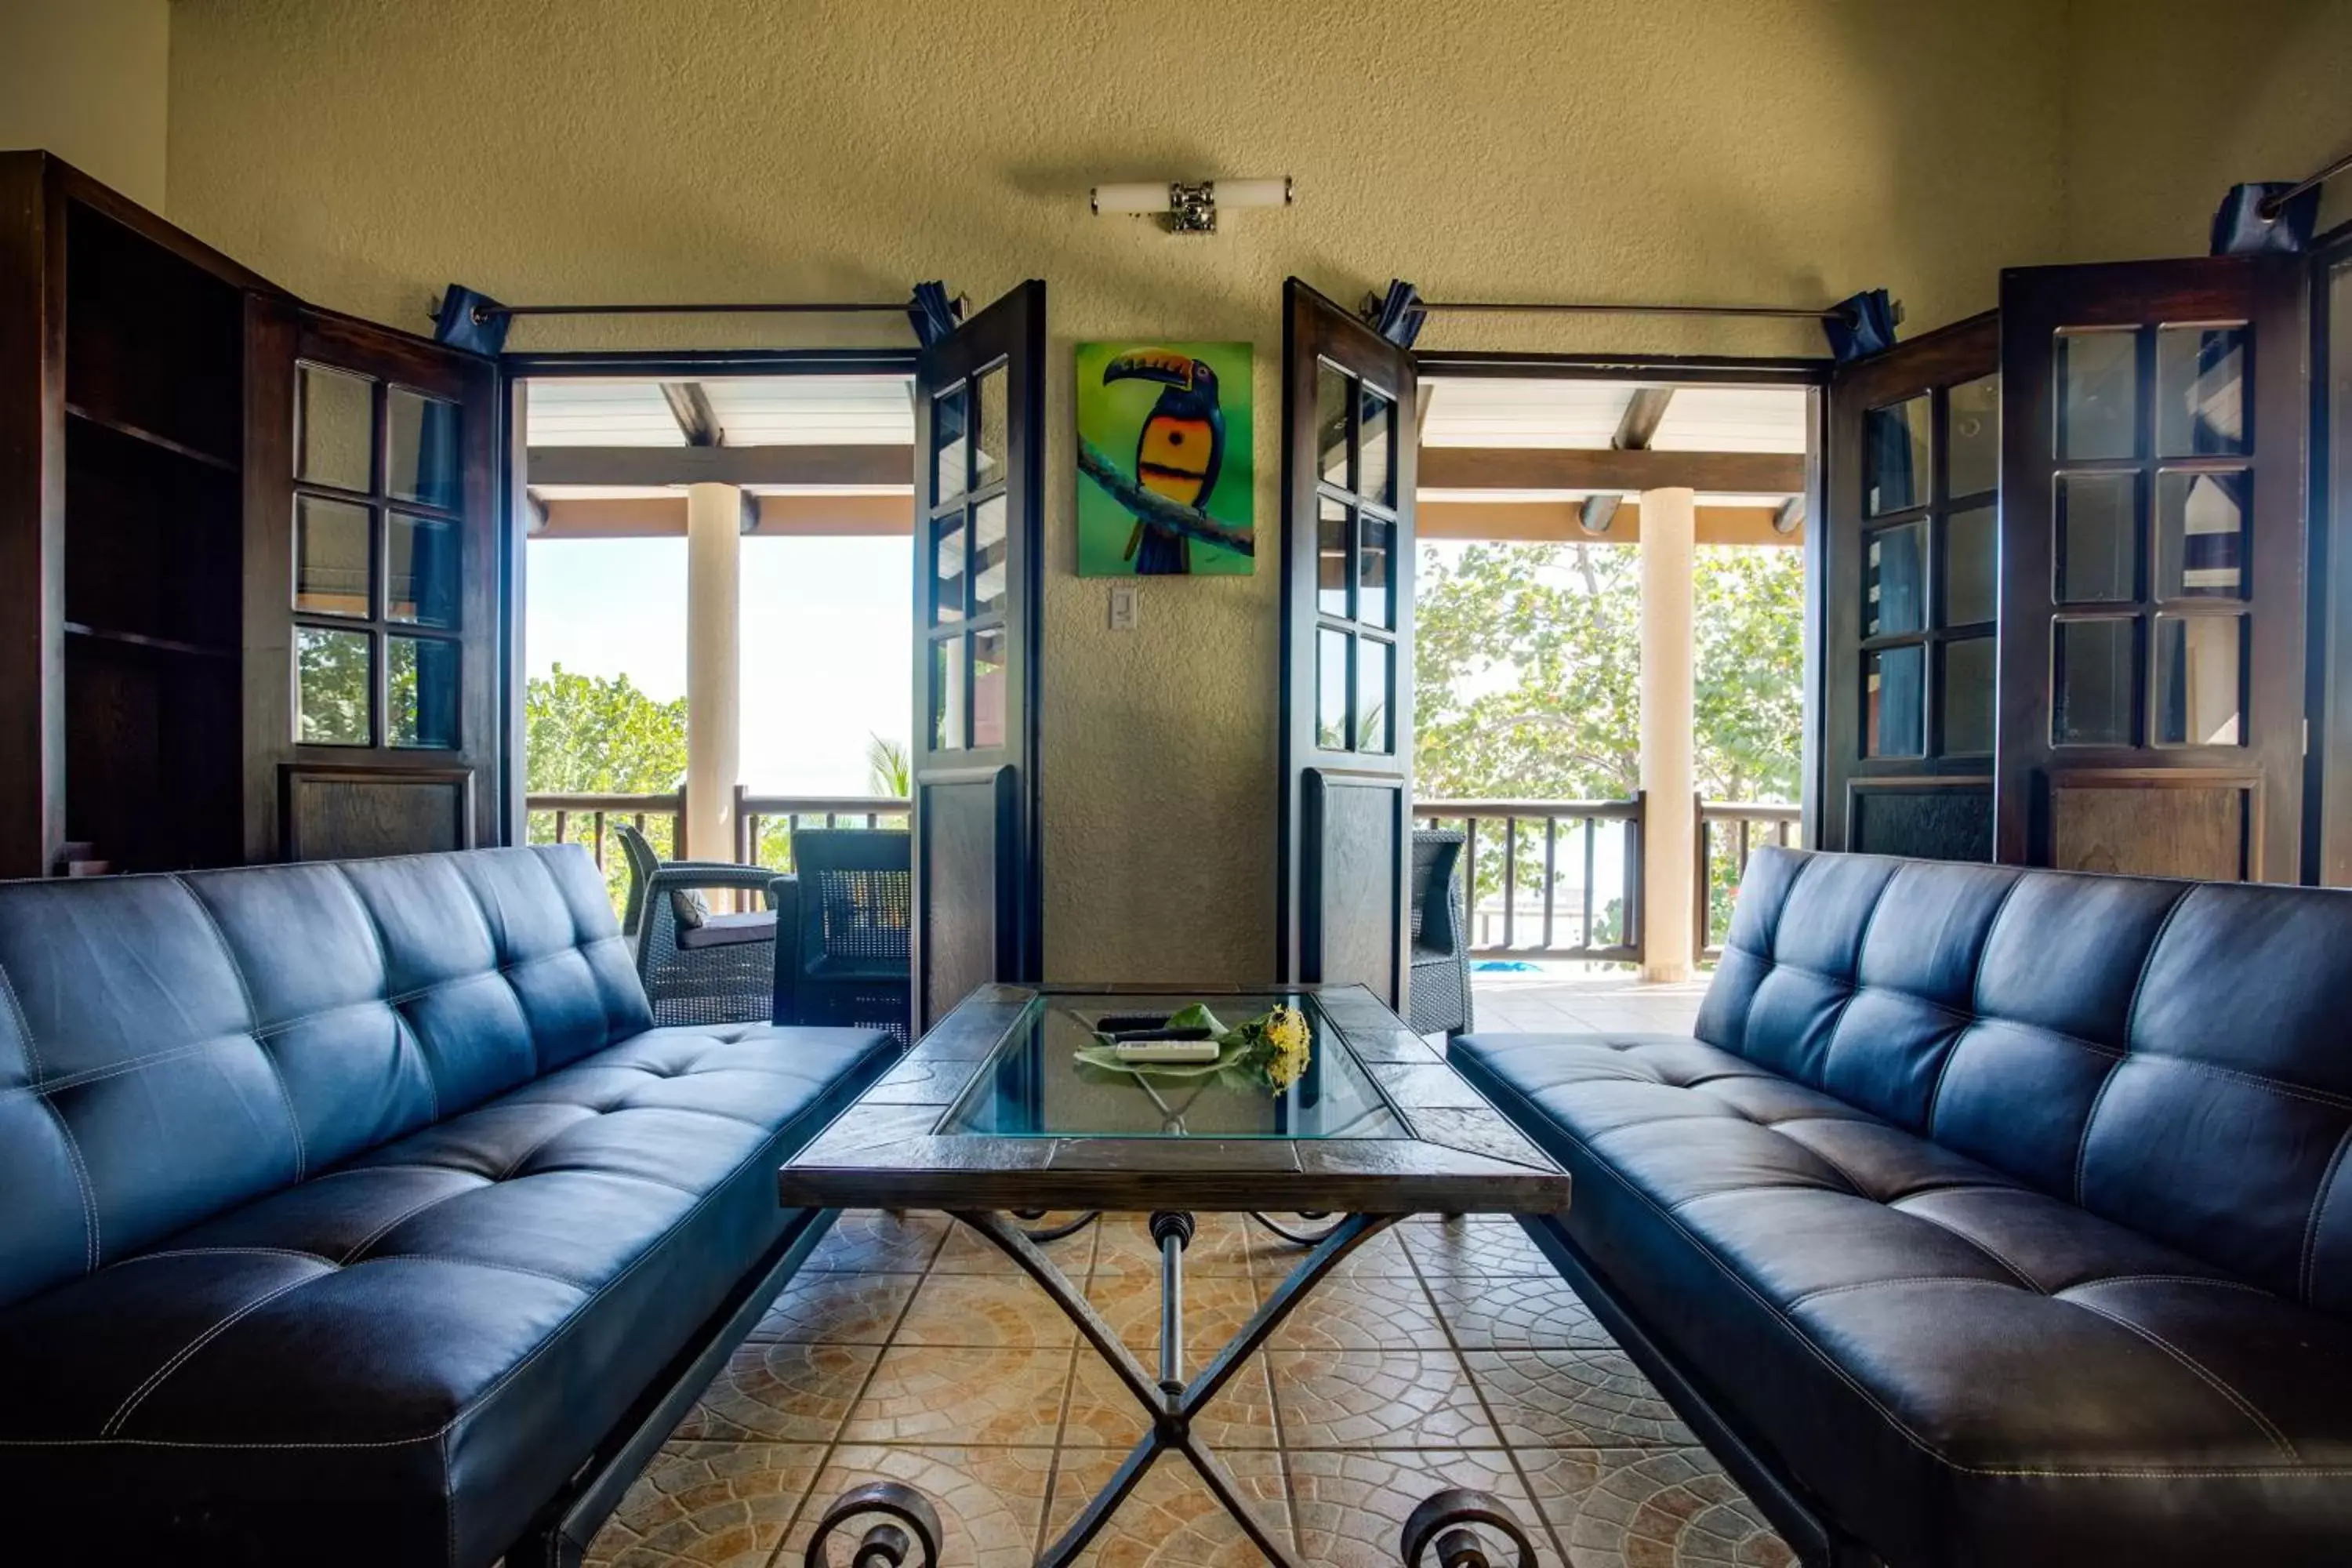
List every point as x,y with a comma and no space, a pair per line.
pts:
1991,1217
357,1213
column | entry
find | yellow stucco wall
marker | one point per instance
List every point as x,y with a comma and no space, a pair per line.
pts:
364,154
2170,102
86,78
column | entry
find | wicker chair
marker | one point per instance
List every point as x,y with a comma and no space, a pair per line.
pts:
1441,949
720,971
856,892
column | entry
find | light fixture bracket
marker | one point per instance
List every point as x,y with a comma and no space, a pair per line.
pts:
1191,209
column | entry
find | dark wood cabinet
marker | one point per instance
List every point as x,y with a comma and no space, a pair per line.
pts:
149,454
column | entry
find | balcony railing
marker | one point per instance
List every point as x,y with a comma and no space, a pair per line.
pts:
1727,832
755,813
590,818
1557,879
1549,878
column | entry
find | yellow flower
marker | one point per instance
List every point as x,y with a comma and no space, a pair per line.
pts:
1287,1034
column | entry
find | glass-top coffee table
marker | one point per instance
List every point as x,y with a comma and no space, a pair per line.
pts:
994,1118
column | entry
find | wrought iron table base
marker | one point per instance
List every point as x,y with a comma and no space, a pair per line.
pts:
1440,1523
1172,1401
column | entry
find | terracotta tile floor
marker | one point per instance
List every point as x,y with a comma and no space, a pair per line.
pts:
1441,1353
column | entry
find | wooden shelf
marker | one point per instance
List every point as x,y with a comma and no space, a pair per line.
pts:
159,645
165,443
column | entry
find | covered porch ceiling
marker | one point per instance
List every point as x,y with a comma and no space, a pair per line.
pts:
1501,458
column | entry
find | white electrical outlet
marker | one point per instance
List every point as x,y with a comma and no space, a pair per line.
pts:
1122,606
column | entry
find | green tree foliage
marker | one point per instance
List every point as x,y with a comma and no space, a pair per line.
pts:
588,735
1527,679
584,734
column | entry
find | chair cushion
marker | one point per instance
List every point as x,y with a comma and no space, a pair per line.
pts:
729,931
405,1354
1964,1367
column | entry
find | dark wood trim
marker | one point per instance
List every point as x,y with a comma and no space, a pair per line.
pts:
1011,332
1609,469
840,465
2268,293
2327,763
684,365
32,518
294,775
1951,356
1316,330
1689,370
77,186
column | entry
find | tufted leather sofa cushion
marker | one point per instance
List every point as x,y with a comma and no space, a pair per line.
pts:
2002,1206
360,1200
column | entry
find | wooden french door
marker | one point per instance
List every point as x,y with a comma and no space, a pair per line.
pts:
371,590
1910,563
2154,418
1347,465
978,495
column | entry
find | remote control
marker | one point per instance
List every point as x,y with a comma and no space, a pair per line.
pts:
1166,1050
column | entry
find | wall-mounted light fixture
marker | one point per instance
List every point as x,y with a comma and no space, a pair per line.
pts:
1185,208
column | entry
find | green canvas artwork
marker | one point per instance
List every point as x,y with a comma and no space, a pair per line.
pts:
1165,470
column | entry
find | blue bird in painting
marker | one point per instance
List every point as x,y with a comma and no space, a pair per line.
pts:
1179,451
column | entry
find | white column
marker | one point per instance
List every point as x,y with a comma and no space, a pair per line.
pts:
1669,833
714,543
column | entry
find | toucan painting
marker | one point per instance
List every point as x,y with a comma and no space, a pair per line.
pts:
1174,509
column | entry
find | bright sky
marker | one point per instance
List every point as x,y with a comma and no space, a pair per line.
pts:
827,623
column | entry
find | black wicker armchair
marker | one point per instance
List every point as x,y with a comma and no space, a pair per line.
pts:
855,892
705,968
1441,947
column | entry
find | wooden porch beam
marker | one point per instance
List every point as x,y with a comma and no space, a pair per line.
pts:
766,517
846,464
1563,523
1586,469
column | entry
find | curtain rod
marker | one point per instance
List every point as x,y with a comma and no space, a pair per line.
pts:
2270,207
1777,312
484,313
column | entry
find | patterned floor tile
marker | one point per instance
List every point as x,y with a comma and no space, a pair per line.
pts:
842,1308
1650,1509
1006,1311
1377,1399
1351,1507
1509,1311
712,1505
1474,1244
968,1252
1172,1519
1574,1399
1362,1314
1104,1414
1220,1245
865,1240
989,1501
781,1392
1382,1258
940,1394
1216,1308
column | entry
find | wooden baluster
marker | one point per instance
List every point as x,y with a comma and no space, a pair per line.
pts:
561,819
1510,880
1551,876
599,850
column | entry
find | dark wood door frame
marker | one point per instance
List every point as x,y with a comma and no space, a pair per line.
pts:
1923,367
1713,369
650,365
2268,295
2328,760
